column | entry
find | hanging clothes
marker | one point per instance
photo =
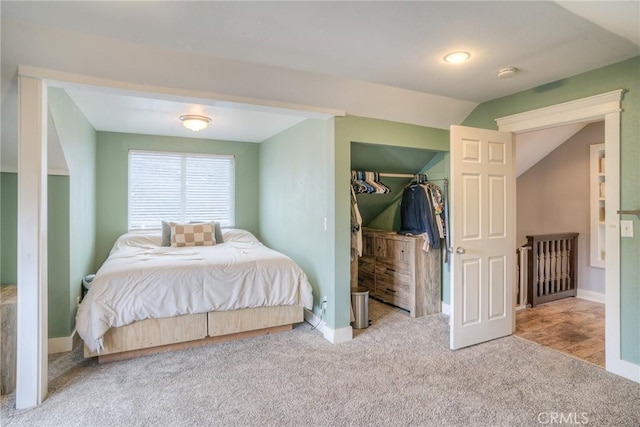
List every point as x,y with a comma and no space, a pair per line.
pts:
433,192
447,241
418,209
432,227
368,183
356,227
412,210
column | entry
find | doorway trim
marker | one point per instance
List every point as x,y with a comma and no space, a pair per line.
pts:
32,345
604,107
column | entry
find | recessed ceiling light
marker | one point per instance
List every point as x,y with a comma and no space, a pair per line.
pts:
195,123
457,57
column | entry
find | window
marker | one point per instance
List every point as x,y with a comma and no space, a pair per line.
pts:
180,187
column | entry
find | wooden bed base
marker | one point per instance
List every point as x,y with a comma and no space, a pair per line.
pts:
194,330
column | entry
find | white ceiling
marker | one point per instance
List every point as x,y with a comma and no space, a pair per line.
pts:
396,43
149,115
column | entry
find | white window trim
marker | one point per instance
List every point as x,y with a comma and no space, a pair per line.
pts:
232,198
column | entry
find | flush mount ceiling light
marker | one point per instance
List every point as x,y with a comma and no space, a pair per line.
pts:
457,57
195,123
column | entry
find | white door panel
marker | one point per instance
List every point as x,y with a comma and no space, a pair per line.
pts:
483,235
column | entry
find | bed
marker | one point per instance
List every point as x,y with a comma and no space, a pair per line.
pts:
147,298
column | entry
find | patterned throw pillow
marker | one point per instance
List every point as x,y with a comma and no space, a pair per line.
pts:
192,234
166,232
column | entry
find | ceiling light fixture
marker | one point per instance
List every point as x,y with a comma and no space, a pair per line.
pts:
457,57
195,123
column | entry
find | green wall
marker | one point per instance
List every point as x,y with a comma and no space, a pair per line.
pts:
112,179
78,141
57,245
373,131
59,267
623,75
9,228
296,195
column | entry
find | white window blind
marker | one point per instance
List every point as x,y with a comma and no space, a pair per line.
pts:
180,187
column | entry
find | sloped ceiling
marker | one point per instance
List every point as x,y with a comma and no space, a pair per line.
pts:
531,147
383,158
373,59
394,43
56,161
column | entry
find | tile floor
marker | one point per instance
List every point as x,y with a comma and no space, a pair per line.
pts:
571,325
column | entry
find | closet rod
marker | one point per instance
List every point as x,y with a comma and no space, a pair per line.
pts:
406,175
397,175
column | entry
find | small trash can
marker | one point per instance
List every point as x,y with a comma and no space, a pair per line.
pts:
360,302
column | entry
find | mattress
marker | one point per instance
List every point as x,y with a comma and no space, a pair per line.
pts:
141,279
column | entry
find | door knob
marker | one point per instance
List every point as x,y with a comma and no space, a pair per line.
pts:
460,250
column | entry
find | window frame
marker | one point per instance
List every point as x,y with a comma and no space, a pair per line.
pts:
184,155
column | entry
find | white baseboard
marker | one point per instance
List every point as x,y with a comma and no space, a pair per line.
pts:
62,344
446,309
591,296
623,368
335,336
338,336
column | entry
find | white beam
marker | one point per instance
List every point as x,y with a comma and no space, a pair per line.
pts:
31,378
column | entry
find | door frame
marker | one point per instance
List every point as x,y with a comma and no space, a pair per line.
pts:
32,323
604,107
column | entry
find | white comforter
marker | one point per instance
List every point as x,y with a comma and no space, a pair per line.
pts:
142,280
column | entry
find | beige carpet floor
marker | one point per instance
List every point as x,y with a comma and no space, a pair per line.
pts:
397,372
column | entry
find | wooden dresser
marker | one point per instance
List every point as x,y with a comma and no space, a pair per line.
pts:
396,270
8,338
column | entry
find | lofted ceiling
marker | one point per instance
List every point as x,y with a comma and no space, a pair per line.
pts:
395,44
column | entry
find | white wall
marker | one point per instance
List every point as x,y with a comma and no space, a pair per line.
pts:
553,197
79,53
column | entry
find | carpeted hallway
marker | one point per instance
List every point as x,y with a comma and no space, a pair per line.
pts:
397,372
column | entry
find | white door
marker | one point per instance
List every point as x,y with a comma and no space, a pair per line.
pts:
482,235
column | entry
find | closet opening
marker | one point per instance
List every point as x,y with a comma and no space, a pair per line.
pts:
402,271
560,230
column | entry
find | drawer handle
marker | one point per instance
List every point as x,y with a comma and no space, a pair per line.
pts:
393,270
391,290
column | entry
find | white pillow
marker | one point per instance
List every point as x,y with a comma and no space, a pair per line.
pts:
238,235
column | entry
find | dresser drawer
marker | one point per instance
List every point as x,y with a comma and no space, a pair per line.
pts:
368,282
366,273
397,271
396,298
393,249
394,273
368,242
366,264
